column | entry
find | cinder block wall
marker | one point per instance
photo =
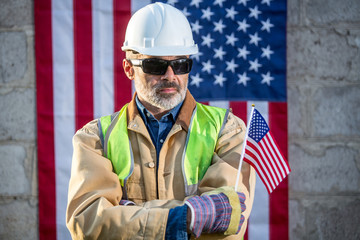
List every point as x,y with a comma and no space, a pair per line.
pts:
18,162
323,77
323,57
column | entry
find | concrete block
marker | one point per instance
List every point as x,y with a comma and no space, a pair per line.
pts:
18,221
333,218
336,111
297,226
17,118
332,11
293,13
296,114
16,13
13,177
323,54
13,56
323,169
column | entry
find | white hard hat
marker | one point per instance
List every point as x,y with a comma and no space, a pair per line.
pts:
159,30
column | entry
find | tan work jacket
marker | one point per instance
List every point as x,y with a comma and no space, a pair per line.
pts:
93,210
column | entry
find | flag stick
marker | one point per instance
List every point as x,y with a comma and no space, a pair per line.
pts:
244,146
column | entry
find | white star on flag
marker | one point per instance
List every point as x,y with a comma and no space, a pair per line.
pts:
243,78
266,25
254,65
207,13
266,52
266,2
243,52
231,66
207,66
219,2
243,2
207,40
196,27
196,80
267,78
254,12
254,39
195,3
219,53
219,26
230,12
243,25
219,79
231,39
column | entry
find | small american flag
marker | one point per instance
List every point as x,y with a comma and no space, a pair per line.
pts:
263,153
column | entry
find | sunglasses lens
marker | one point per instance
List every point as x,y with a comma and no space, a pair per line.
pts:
157,66
154,66
181,66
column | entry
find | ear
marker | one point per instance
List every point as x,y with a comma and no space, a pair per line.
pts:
128,69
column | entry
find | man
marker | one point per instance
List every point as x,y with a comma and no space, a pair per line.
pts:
163,166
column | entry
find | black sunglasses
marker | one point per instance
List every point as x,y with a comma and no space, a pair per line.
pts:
158,66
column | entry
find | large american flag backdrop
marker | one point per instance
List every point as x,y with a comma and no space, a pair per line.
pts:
79,76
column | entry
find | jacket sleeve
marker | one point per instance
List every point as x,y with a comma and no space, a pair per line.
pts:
93,210
225,162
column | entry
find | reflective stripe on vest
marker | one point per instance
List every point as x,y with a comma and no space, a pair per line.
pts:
205,126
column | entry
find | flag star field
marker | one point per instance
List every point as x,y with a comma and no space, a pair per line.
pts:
242,48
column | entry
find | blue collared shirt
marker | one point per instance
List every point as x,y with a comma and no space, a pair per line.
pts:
158,130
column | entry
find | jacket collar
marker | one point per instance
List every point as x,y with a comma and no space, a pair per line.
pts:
183,118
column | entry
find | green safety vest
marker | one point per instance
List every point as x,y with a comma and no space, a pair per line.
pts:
205,126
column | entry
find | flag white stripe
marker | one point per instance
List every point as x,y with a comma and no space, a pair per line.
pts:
220,104
259,223
266,169
270,160
64,110
274,156
103,55
283,161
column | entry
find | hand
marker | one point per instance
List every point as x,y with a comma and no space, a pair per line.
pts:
217,211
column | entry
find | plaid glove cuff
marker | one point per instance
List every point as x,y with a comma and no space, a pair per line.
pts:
202,214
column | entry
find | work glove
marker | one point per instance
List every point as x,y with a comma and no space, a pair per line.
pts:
217,211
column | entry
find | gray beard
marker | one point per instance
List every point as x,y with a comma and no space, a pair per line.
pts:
155,98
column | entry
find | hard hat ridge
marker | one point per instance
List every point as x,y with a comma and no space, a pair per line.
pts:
159,30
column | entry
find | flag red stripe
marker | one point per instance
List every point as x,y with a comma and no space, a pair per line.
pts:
279,206
122,85
84,107
239,109
45,119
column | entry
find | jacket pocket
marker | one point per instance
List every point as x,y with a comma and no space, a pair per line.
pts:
135,191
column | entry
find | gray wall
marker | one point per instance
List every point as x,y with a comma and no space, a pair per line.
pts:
323,56
18,162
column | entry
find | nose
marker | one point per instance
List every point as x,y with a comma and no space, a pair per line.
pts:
169,74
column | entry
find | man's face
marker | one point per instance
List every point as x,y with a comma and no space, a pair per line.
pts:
162,91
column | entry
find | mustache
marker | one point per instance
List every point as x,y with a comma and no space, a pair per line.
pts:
162,85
